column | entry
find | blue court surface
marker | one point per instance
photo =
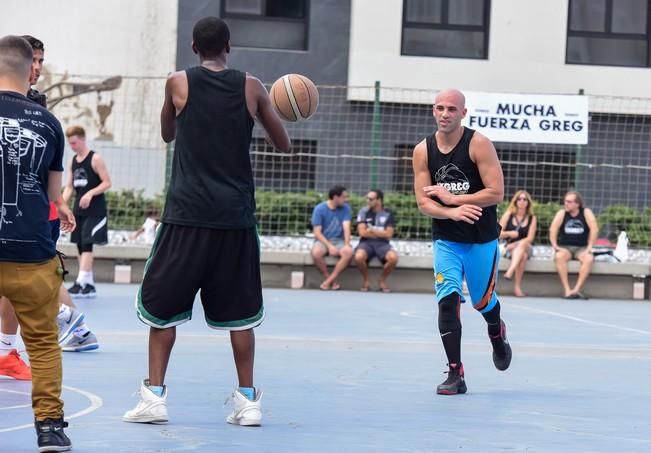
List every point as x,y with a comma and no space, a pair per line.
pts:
356,372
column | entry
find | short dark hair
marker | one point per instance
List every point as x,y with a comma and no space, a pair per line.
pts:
335,191
36,43
379,193
15,56
210,36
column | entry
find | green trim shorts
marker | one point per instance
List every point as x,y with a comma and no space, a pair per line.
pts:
223,265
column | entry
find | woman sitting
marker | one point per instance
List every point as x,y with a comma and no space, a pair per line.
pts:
518,231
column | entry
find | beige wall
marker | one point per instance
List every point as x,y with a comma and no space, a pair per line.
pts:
526,54
125,37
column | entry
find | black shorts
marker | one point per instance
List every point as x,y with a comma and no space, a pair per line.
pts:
379,249
89,231
223,264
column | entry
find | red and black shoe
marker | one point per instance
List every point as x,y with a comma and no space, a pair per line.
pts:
501,349
455,383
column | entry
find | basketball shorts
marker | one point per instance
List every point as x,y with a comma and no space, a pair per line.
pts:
477,262
89,231
223,265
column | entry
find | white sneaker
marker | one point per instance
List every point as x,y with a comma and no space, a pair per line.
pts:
246,412
150,409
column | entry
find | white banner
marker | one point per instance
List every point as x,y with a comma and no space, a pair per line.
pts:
528,118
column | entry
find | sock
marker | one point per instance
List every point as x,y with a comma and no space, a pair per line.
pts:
81,331
64,311
248,392
492,318
452,345
89,278
81,278
156,389
7,343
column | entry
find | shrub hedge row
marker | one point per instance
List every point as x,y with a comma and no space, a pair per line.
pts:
288,213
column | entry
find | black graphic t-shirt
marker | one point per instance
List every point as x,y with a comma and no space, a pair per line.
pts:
31,145
375,221
574,230
459,175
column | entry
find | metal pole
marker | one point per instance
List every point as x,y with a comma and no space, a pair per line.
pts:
375,136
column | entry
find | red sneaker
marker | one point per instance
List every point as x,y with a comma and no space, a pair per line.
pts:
13,366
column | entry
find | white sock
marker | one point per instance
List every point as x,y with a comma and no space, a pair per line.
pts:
85,278
7,343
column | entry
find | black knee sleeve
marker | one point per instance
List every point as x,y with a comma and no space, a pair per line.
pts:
81,248
449,313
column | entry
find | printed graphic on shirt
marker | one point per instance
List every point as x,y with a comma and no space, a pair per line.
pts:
79,178
21,156
453,179
574,226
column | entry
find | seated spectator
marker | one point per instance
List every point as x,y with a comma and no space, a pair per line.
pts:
375,227
331,226
518,231
148,229
572,234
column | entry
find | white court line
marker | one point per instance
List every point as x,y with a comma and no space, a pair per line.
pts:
4,408
95,403
581,320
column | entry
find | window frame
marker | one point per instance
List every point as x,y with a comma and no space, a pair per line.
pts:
261,17
608,34
444,25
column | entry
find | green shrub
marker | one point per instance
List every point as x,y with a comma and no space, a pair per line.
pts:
289,213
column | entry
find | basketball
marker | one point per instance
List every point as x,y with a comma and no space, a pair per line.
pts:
294,97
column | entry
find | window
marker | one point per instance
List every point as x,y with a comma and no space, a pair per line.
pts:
268,24
544,172
288,172
445,28
403,172
608,32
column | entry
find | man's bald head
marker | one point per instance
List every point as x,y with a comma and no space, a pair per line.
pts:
452,96
15,58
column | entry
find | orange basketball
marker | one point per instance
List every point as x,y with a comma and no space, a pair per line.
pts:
294,97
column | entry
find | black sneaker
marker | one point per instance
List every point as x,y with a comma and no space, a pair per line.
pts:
74,290
501,349
455,383
51,436
88,292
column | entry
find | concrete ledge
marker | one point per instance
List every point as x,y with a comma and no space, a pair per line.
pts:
413,273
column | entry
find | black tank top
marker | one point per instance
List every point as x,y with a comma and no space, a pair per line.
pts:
574,230
523,230
459,174
84,179
212,182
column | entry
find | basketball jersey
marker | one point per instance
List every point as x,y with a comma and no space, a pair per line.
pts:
212,181
84,179
459,175
574,230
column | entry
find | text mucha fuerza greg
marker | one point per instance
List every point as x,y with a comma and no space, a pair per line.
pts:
521,117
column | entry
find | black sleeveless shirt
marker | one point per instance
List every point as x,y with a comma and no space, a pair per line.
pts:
212,181
574,230
84,179
523,230
459,174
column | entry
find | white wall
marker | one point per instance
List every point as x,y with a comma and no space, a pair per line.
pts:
98,37
526,54
91,40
